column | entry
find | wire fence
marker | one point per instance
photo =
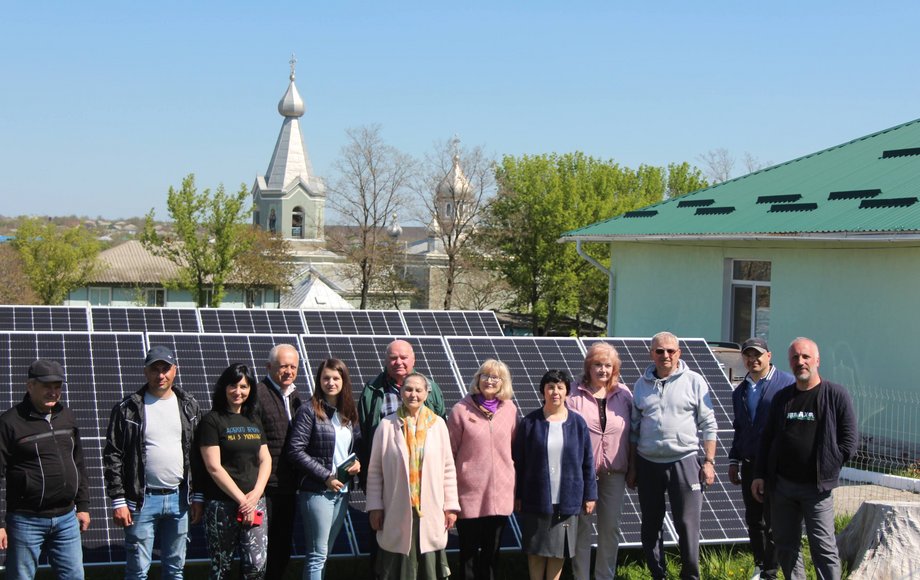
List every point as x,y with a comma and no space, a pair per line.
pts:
887,463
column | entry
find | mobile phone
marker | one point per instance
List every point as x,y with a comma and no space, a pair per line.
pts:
256,517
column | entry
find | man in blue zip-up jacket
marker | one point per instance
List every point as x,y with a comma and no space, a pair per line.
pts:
751,404
47,496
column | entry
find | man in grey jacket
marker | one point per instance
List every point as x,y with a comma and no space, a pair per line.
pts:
670,403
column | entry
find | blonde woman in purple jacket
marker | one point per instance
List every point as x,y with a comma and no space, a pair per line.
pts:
604,403
482,427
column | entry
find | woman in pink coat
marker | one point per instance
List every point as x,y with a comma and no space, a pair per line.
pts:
604,403
482,427
412,488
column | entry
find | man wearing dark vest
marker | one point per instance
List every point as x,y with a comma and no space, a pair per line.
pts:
279,403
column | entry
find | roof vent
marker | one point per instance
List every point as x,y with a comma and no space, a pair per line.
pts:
779,198
900,152
695,202
714,210
854,194
641,213
781,207
892,202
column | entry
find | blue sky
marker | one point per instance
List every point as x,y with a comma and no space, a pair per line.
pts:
104,105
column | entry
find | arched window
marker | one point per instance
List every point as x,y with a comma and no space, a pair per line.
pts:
297,223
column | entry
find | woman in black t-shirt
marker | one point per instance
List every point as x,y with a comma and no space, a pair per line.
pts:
236,456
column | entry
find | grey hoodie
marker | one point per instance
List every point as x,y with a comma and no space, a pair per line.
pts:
667,413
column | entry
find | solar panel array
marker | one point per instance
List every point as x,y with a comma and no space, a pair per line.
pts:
145,319
104,366
452,323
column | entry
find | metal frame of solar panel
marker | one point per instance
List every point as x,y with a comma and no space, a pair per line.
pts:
722,518
364,356
251,321
44,318
144,319
452,322
100,369
367,322
201,359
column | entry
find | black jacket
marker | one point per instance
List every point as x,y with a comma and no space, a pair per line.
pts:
42,462
311,445
836,439
276,425
125,454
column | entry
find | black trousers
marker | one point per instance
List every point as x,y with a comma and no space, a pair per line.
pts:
480,539
757,518
281,508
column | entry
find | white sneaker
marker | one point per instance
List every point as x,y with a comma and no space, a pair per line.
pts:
756,575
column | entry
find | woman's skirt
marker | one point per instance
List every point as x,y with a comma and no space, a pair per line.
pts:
427,566
549,535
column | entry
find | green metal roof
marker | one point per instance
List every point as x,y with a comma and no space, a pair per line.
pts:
870,185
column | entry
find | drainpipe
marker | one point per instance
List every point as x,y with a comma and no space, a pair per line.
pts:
610,283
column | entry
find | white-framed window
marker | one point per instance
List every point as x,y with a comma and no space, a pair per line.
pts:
155,297
99,296
749,299
255,298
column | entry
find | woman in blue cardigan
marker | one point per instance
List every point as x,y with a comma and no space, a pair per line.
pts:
554,478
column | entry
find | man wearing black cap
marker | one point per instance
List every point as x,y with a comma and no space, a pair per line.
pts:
47,497
751,402
147,462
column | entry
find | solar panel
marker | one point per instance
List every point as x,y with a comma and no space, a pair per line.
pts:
251,321
99,368
364,357
145,319
722,518
528,358
201,358
634,355
385,322
43,318
452,322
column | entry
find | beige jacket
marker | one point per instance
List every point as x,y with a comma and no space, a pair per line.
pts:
388,487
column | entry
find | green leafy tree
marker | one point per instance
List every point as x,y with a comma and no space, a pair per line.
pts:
541,197
55,260
269,263
684,178
208,237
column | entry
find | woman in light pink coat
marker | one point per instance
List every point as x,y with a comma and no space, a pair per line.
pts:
412,488
482,427
604,403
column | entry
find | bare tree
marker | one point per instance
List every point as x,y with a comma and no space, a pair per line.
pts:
752,164
373,184
456,190
719,164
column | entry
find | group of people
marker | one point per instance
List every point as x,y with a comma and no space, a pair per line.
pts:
262,454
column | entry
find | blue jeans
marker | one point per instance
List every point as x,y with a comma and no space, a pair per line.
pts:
323,515
163,516
61,537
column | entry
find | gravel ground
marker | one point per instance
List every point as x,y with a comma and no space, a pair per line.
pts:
848,498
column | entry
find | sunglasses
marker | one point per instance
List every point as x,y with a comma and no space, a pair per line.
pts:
660,351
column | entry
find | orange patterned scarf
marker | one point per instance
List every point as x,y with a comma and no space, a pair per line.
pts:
415,432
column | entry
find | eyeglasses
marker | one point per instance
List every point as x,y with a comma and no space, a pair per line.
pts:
660,351
490,378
